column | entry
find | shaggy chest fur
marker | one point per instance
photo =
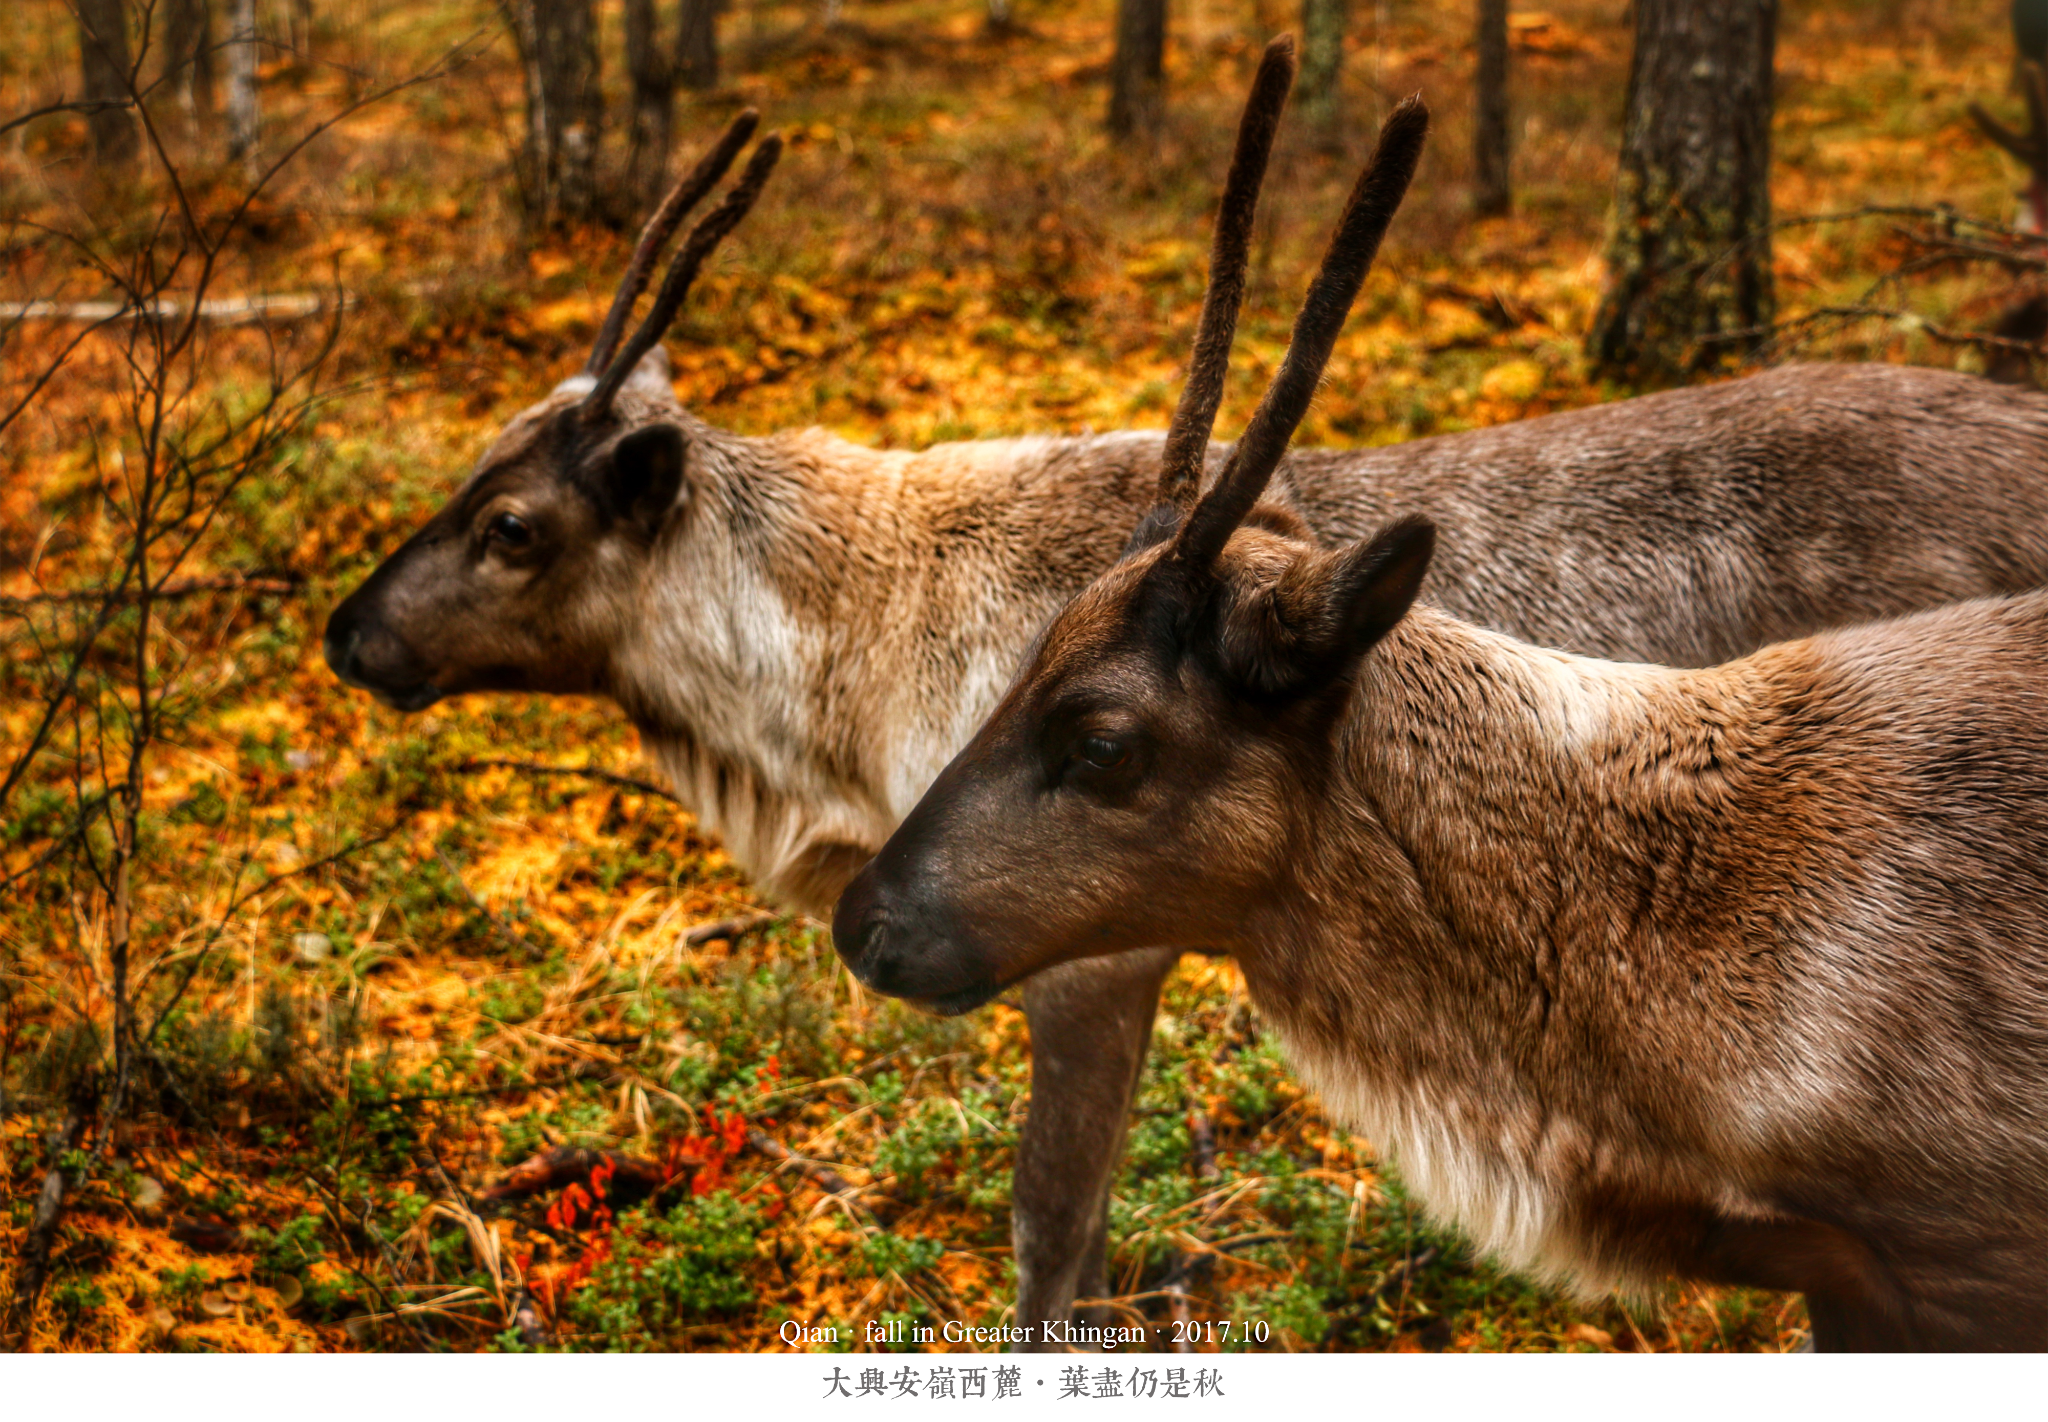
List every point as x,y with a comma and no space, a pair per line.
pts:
828,624
1715,969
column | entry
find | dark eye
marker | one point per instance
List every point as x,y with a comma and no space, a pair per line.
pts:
510,530
1104,753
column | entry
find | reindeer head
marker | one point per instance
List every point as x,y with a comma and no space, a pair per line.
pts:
1135,785
504,588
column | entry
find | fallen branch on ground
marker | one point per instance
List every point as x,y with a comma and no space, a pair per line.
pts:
726,928
633,1179
1982,340
220,310
177,588
42,1232
587,772
822,1176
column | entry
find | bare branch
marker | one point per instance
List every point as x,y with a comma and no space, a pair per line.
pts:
588,772
167,591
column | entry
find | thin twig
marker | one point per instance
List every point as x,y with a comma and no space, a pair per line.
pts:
78,106
503,929
823,1176
220,310
176,588
1932,330
727,928
474,1092
587,772
35,1251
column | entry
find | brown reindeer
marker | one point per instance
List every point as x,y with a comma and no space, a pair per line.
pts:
1738,974
805,631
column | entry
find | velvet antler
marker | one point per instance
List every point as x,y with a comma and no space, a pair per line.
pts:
1187,437
682,198
1374,200
711,229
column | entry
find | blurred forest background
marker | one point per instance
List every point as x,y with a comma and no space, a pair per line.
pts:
324,1027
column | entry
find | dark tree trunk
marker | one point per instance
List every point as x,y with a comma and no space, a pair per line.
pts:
564,106
1491,194
1690,255
697,44
1320,90
189,56
653,72
1137,72
104,66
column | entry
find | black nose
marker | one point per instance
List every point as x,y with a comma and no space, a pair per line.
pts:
859,926
891,942
362,650
876,942
339,647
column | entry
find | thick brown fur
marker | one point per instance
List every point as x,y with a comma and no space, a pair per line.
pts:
1739,974
810,629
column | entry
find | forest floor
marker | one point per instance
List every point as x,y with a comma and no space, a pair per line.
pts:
392,960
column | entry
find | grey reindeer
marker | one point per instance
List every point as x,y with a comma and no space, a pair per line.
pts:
805,630
1738,974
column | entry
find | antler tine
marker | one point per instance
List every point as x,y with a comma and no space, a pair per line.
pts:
1374,200
1187,438
685,195
710,230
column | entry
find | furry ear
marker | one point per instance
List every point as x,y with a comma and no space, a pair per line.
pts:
1308,628
643,475
1375,583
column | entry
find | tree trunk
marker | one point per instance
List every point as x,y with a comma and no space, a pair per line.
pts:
697,44
1690,255
242,111
1322,68
1137,79
653,71
1491,194
188,55
104,65
564,107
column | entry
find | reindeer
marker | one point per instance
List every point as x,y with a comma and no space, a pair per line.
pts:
805,631
1739,974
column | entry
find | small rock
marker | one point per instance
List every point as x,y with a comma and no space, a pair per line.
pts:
312,947
236,1292
148,1195
300,760
289,1291
213,1302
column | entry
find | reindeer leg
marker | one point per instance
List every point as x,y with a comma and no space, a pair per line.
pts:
1090,1024
1855,1325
